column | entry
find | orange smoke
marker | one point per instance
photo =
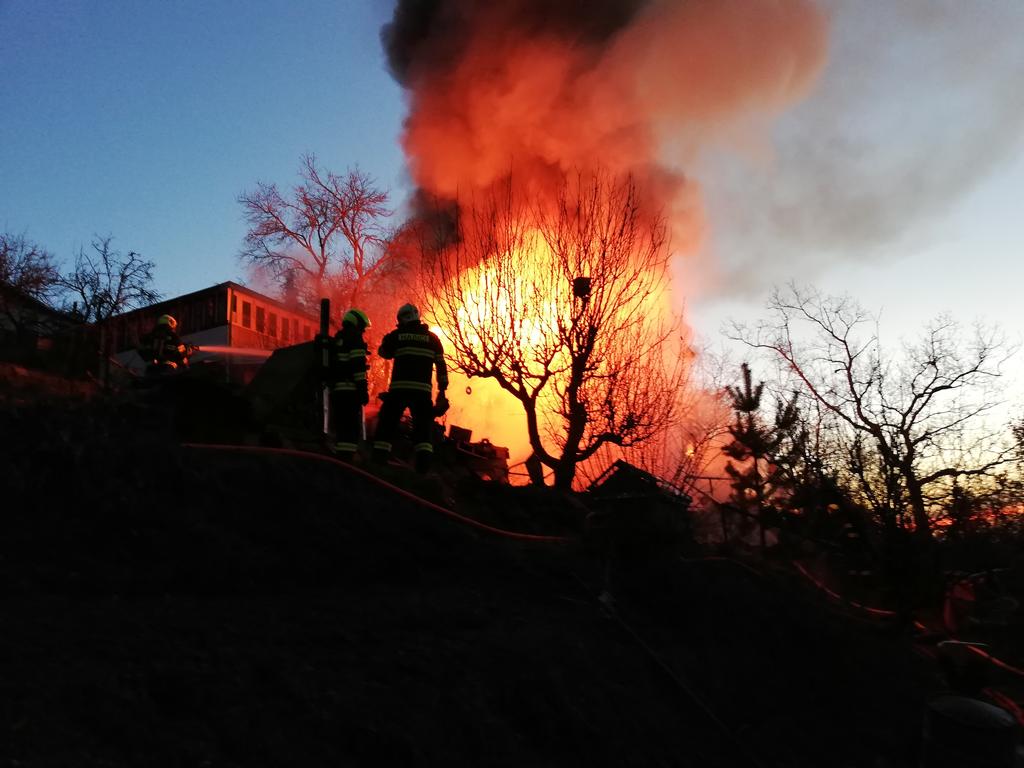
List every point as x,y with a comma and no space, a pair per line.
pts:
537,90
548,103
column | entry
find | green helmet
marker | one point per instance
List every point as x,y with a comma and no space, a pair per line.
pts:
356,318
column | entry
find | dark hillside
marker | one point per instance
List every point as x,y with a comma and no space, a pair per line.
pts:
165,606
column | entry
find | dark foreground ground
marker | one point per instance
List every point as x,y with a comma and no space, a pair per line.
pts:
165,607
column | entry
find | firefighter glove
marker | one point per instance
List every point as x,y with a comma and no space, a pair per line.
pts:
441,405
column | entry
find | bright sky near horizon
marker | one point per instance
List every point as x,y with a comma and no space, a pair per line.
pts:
899,180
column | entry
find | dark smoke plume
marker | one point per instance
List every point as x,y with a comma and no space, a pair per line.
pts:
430,34
544,88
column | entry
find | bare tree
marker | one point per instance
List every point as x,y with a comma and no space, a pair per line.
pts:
105,282
26,269
562,304
326,237
915,421
686,453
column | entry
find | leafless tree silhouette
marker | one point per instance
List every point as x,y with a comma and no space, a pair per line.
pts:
562,302
26,269
103,282
326,237
913,421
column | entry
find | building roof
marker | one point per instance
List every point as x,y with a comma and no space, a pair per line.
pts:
155,307
13,294
623,480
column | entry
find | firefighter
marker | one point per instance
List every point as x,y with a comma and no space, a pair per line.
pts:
162,348
349,390
416,353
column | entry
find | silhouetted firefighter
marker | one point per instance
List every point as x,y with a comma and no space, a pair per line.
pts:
349,391
162,348
416,352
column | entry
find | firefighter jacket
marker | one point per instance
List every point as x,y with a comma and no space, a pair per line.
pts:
162,346
349,363
416,352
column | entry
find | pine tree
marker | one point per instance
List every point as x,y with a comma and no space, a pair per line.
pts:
768,453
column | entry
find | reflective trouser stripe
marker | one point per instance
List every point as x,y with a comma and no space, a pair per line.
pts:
415,352
347,447
345,386
415,386
423,448
382,445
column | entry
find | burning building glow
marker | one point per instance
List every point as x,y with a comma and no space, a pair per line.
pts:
521,95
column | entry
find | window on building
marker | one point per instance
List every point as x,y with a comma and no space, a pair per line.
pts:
295,329
272,326
234,308
261,320
246,314
307,332
286,328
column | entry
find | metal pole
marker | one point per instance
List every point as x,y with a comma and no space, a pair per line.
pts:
325,360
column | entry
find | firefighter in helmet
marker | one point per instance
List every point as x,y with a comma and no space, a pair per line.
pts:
416,353
162,348
349,392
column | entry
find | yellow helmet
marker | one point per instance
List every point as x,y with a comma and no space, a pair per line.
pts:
168,321
357,318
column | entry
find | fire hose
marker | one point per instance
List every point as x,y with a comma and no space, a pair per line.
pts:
1003,700
383,484
606,605
998,697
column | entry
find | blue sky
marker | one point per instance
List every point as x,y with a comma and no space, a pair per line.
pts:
901,179
146,120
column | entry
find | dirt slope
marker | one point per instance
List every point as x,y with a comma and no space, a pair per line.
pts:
168,607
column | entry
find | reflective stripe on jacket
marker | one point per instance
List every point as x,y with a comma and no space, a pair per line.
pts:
349,363
417,353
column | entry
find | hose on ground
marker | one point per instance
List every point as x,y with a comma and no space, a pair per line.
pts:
383,484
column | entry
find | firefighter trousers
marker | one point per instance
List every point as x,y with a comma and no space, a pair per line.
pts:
346,422
421,408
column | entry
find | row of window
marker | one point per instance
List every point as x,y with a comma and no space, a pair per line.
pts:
269,323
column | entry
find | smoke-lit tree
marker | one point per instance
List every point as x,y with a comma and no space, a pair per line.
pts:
104,282
914,420
324,237
26,269
561,302
684,454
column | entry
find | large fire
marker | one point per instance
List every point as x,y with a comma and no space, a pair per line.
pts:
513,309
491,298
527,93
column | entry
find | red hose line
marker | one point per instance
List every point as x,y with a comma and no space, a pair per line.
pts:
998,662
1006,703
384,484
820,585
882,612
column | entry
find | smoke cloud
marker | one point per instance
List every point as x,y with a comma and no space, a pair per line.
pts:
549,87
920,102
